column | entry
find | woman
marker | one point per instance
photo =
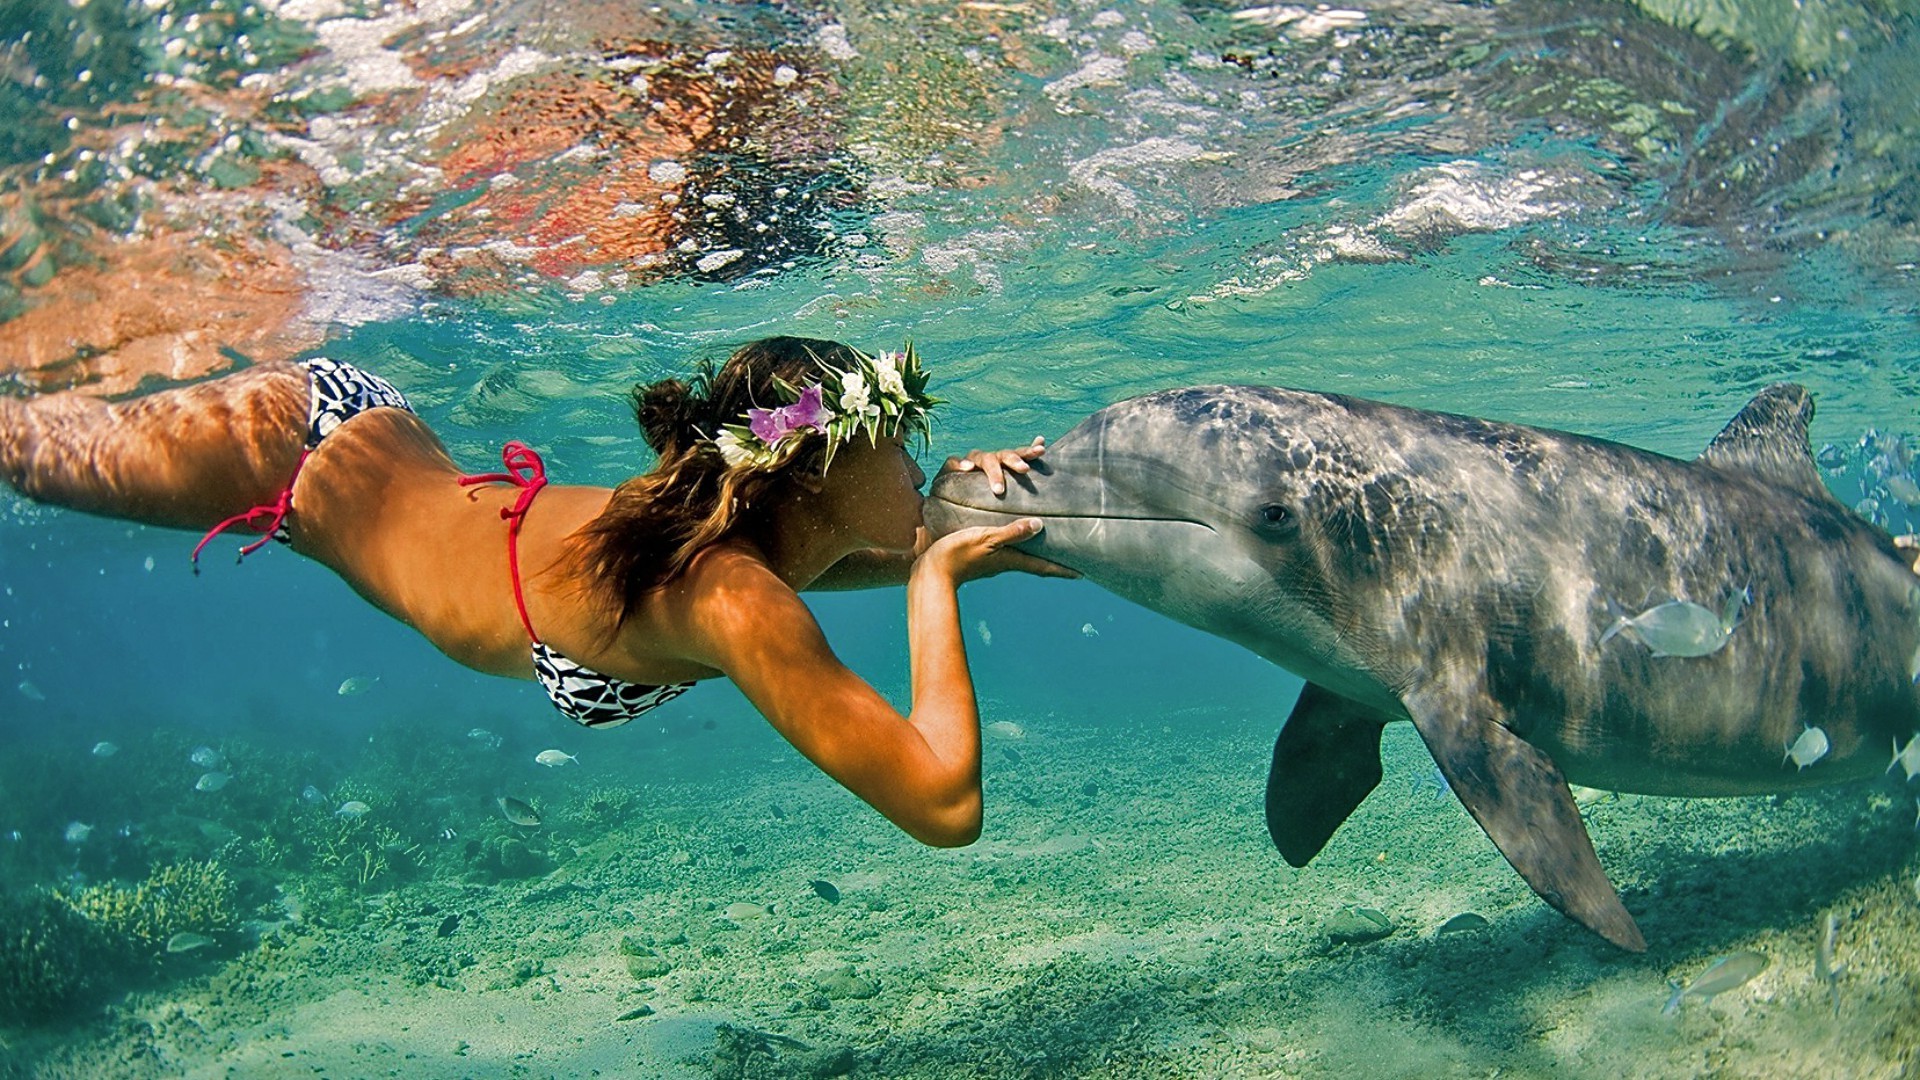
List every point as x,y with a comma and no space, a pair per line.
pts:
615,600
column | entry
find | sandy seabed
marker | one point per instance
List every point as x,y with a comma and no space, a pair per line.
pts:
1124,915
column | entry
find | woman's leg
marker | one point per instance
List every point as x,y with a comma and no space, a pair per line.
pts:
185,458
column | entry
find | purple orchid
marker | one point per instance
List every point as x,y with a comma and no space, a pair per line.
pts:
772,425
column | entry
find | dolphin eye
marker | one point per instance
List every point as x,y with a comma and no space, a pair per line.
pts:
1274,516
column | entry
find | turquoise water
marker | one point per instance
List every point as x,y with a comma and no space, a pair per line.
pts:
1615,219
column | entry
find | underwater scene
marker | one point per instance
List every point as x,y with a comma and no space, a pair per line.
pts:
251,826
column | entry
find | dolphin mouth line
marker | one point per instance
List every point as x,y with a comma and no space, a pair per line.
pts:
1071,517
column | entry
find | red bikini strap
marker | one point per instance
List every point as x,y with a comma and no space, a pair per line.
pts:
526,471
265,518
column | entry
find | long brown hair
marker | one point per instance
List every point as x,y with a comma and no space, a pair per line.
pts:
657,522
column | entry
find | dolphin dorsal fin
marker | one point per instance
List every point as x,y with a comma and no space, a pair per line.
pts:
1768,439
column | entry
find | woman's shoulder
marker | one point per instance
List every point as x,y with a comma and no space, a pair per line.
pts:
729,583
728,565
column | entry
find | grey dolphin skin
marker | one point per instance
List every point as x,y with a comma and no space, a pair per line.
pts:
1462,574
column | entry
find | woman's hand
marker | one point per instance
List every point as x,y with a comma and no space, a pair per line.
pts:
982,551
998,463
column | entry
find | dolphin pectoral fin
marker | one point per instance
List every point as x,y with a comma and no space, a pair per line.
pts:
1325,761
1519,797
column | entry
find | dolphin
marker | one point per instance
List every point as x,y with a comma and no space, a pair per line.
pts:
1464,574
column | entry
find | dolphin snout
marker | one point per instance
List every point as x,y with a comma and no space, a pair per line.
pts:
961,499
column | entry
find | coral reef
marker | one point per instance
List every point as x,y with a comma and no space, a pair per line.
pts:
185,896
50,956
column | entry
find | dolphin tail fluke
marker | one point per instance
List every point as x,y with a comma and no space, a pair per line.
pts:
1519,797
1325,761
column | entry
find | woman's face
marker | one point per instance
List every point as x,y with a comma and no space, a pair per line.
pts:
875,489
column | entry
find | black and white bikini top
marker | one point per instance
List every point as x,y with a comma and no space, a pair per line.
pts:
337,393
582,694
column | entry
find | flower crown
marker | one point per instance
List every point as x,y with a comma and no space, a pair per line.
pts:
887,391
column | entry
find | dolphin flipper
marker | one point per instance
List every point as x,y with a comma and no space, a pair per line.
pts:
1325,761
1519,797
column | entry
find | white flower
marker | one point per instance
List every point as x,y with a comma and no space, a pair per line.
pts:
887,371
853,393
732,450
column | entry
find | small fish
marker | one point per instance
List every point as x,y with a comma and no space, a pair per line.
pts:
211,781
311,794
1006,729
205,756
1908,759
1681,627
1902,487
986,635
351,809
553,759
448,833
1734,969
30,691
358,684
518,812
187,941
107,749
14,836
742,911
149,564
1462,923
77,832
1823,966
825,890
1810,747
448,925
1087,630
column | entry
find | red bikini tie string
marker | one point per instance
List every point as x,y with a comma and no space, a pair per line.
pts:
526,471
274,515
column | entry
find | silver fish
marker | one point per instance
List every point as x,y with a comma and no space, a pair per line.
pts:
358,684
553,759
1824,967
1734,969
1681,627
187,941
77,832
518,812
986,635
1908,759
1810,747
107,749
205,756
352,808
211,781
30,691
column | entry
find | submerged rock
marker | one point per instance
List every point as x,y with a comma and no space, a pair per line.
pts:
648,967
1358,925
845,984
1462,923
512,858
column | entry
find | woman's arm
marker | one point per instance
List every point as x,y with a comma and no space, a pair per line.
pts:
922,770
874,568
